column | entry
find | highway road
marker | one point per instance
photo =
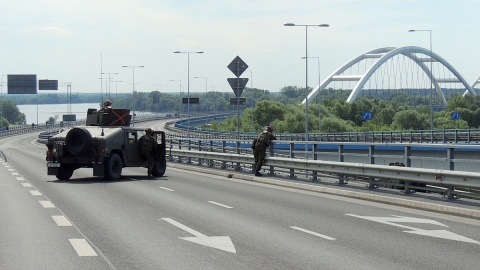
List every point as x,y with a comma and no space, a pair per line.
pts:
190,220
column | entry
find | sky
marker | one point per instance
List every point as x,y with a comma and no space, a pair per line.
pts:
75,41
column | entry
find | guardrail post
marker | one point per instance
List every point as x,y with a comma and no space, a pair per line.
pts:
270,154
237,146
224,163
210,161
189,160
170,154
371,157
180,148
315,173
451,167
292,155
341,177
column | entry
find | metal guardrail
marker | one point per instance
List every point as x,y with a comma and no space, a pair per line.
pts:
469,136
288,158
442,181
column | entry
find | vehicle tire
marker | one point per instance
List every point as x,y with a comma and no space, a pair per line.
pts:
64,172
113,167
159,167
78,140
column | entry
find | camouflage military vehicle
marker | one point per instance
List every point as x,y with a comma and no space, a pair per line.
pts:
106,144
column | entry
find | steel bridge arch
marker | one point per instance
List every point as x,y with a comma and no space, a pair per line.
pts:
383,55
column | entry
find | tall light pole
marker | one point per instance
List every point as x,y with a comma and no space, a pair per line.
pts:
109,81
319,105
180,86
188,89
306,75
431,73
133,90
116,88
206,91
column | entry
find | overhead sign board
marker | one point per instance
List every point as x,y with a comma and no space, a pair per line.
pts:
192,100
237,66
237,84
48,85
22,83
238,101
69,117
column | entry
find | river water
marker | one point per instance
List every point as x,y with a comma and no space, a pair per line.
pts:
45,111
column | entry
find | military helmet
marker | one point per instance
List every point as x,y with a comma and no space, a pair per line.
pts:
107,103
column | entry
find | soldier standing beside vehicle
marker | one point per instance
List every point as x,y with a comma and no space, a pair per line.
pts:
146,145
261,145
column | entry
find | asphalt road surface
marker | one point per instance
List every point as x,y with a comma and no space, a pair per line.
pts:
188,220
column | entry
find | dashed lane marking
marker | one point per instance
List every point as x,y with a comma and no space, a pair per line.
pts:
35,193
166,189
15,173
20,178
219,204
82,247
313,233
61,221
47,204
26,185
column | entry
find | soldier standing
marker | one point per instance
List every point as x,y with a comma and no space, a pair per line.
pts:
261,145
146,145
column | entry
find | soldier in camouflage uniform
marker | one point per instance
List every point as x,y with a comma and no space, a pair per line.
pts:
261,145
147,144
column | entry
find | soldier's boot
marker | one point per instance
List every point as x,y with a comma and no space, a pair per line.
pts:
150,176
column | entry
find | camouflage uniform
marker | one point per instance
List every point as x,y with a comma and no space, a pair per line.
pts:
261,149
147,152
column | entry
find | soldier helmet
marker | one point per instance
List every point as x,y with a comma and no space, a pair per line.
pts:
269,129
107,103
148,131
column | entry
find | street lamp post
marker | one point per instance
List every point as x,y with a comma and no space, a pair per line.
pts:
188,89
133,90
180,86
306,76
206,91
319,105
431,73
109,81
116,89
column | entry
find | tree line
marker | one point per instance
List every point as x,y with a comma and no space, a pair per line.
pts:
328,113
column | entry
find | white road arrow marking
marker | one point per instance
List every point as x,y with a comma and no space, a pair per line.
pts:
444,234
219,242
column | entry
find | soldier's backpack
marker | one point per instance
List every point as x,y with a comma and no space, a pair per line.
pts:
146,144
264,138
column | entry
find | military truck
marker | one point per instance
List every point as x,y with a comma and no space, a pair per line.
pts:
107,143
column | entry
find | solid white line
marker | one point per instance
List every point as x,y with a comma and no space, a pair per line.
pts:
35,193
26,185
219,204
183,227
47,204
20,178
82,247
313,233
166,188
61,221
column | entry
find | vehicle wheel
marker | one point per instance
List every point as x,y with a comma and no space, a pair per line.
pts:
78,140
113,167
159,167
64,173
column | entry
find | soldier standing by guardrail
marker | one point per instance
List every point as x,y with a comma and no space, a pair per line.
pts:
263,141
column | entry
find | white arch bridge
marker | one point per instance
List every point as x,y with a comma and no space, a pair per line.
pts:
386,70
